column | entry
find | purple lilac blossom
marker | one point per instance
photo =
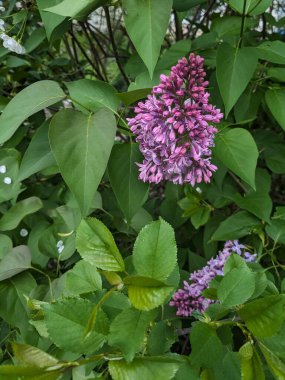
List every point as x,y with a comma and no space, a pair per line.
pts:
173,126
190,299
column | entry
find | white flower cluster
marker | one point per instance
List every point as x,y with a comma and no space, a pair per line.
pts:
6,180
60,246
9,43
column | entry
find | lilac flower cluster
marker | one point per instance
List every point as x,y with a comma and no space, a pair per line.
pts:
172,126
190,298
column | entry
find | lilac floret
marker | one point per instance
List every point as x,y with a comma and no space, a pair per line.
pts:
190,299
173,127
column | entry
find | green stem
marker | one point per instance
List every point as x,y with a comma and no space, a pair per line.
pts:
242,24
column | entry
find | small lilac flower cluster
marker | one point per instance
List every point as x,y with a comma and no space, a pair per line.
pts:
190,298
172,126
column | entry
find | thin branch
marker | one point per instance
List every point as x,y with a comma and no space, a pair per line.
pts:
109,26
178,28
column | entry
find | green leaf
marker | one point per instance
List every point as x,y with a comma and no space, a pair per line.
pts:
77,10
14,262
38,155
238,152
66,321
272,51
96,245
12,218
93,95
130,340
253,7
146,23
9,372
35,39
83,278
88,141
236,287
277,73
237,225
123,173
6,245
184,5
146,293
12,301
200,217
276,230
276,343
275,99
251,364
206,347
55,25
155,251
253,199
148,368
276,365
235,68
264,317
161,338
131,97
33,356
173,54
32,99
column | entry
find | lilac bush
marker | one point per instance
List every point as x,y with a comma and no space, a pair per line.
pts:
173,126
190,298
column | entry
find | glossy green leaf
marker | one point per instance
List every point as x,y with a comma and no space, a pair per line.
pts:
146,22
251,364
123,173
264,317
252,7
38,155
93,95
238,152
237,225
33,356
155,251
96,245
88,142
16,213
14,262
235,68
32,99
66,321
130,340
150,368
236,287
83,278
275,99
146,293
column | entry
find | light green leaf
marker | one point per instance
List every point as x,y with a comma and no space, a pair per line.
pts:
83,278
251,364
29,101
33,356
277,73
237,225
96,245
154,253
38,155
272,51
88,141
148,368
264,317
93,95
66,321
276,365
131,97
236,287
14,262
146,293
123,173
235,68
78,9
275,99
16,213
146,23
238,152
130,340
